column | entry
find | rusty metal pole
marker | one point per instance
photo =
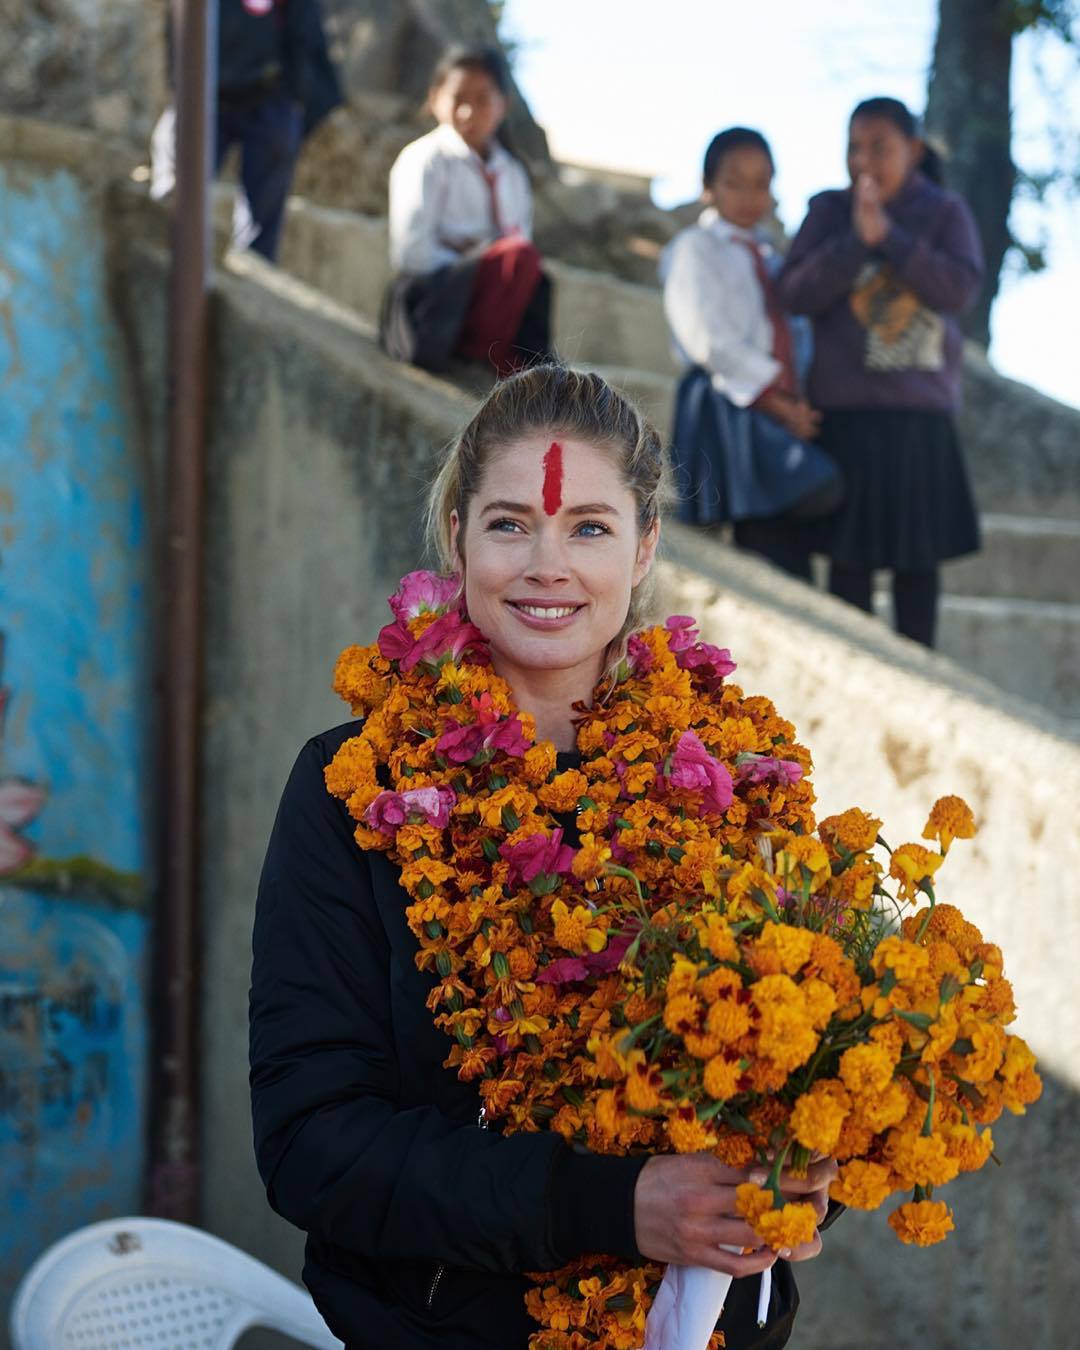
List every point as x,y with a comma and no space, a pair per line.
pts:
174,1171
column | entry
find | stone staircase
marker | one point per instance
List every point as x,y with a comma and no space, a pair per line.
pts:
1011,613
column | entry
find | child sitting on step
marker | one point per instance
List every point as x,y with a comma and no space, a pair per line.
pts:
468,280
742,426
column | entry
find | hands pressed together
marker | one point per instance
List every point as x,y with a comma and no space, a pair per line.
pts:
684,1211
868,216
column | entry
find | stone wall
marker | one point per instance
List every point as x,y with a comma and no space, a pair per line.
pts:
91,63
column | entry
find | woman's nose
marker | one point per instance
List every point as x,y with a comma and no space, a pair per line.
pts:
548,563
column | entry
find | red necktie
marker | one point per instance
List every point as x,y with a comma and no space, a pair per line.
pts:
783,351
491,178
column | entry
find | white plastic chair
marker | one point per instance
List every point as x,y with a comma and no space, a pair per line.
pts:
133,1284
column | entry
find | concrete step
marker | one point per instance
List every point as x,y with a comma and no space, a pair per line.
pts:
1030,648
1023,557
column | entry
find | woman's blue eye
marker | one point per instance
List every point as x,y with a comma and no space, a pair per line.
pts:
594,528
504,525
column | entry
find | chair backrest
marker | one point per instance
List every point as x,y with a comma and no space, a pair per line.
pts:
132,1284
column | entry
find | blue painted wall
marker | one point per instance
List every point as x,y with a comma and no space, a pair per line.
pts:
74,784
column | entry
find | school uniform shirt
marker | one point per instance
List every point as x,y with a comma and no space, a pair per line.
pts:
715,307
885,320
444,199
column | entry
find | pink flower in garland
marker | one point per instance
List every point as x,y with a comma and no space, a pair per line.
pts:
767,769
638,655
694,769
539,861
491,731
712,665
423,593
682,632
448,638
570,969
426,805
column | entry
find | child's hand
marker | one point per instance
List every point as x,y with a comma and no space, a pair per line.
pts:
802,421
868,216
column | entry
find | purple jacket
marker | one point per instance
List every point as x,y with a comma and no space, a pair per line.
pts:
934,253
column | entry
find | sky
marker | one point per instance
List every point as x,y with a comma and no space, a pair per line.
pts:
644,85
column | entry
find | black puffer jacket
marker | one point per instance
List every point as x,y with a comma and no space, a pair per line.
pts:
419,1222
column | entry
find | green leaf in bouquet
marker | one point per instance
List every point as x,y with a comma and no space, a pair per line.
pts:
949,988
490,849
921,1020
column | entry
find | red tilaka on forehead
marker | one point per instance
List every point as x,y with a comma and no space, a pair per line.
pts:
553,472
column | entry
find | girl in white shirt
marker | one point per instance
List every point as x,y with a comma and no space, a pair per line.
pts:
468,281
742,427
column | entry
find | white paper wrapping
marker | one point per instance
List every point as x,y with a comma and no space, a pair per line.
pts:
688,1305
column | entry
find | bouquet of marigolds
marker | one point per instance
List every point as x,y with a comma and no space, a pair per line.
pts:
657,948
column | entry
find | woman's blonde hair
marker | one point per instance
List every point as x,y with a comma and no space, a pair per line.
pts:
554,399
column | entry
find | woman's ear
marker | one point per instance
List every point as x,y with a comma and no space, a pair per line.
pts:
455,552
646,552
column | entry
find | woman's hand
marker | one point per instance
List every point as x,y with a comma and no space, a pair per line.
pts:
868,217
684,1211
813,1189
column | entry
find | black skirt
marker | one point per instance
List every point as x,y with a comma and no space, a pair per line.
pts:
908,503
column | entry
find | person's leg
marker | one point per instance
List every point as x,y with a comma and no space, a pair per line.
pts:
915,600
532,342
270,143
853,584
779,541
506,278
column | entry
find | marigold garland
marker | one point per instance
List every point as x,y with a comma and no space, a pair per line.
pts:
654,951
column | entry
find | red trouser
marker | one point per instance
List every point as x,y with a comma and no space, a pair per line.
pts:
506,278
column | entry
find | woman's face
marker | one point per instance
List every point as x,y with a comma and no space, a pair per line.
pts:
469,101
551,552
879,148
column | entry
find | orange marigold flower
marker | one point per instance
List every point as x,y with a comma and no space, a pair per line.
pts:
950,818
686,1133
855,884
861,1185
591,859
727,1019
578,930
790,1226
904,959
722,1075
513,797
803,851
780,947
818,1115
538,763
866,1069
644,1083
430,870
882,1109
855,1138
352,766
967,1147
855,831
682,1013
910,865
987,1050
356,682
919,1160
922,1223
714,933
562,793
820,1000
701,1044
752,1201
734,1150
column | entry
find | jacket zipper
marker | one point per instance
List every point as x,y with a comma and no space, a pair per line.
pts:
440,1269
436,1280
